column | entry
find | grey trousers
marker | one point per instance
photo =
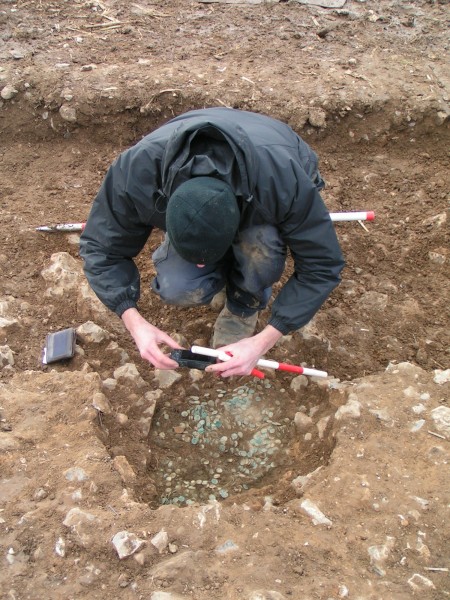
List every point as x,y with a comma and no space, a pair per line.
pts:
252,265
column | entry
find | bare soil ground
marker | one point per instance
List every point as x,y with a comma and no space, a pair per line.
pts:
367,86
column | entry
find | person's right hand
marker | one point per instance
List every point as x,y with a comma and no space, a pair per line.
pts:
148,338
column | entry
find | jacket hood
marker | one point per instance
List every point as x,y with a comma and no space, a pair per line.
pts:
201,148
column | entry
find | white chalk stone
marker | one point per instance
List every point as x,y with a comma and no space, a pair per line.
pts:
266,595
165,379
313,511
91,332
8,92
419,582
441,377
68,113
63,274
299,382
441,418
126,543
160,541
6,356
302,422
350,410
129,372
101,403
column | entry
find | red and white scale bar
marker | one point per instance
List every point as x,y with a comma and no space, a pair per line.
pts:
337,216
262,362
368,215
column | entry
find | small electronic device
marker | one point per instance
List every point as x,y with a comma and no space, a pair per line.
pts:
59,345
191,360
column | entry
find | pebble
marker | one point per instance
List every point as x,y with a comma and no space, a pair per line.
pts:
436,258
299,383
441,117
419,582
17,54
121,418
417,426
101,403
130,373
76,474
60,547
441,377
7,443
226,547
159,595
160,541
302,422
437,221
81,523
145,424
350,410
441,418
124,469
8,92
317,117
266,595
7,327
313,511
68,113
6,356
343,591
93,333
126,543
40,494
379,554
322,425
166,378
110,383
301,482
382,415
411,392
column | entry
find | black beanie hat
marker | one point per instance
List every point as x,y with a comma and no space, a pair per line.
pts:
202,219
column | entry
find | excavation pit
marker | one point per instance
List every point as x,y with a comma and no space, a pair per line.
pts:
236,440
227,442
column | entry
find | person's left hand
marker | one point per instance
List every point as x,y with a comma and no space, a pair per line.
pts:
244,356
245,353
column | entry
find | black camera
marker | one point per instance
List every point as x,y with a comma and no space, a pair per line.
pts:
191,360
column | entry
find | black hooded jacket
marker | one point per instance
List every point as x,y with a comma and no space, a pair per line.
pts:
272,172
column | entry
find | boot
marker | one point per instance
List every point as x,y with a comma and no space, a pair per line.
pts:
218,302
230,328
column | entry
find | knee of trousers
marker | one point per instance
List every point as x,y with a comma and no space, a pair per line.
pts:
171,292
261,256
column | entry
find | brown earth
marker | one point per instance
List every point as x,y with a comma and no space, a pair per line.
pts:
367,86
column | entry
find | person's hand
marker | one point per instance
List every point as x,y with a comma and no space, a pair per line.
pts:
245,353
148,338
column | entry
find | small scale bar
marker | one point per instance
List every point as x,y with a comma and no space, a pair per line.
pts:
62,227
